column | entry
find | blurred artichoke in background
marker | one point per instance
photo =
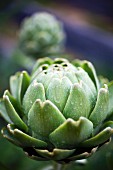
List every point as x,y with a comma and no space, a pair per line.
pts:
41,35
59,112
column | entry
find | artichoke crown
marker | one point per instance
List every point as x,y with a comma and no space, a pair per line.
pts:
58,112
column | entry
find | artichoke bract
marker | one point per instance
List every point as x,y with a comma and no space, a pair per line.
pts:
41,35
60,112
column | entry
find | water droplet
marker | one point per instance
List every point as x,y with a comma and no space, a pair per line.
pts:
72,103
31,102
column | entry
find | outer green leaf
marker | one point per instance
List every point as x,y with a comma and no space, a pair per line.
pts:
71,133
3,111
23,84
43,118
6,134
37,158
82,75
14,115
101,108
34,91
34,157
26,140
102,80
14,81
14,102
107,124
56,154
58,91
79,103
83,155
100,138
19,84
88,67
110,88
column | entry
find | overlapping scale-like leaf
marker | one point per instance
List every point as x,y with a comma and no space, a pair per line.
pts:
71,76
60,60
13,115
101,108
34,155
100,138
40,62
71,133
107,124
45,78
3,111
15,103
80,101
19,84
38,71
82,75
110,107
80,156
89,68
34,91
58,91
10,137
43,118
56,154
25,139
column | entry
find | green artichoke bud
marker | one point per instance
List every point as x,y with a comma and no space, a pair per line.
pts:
60,112
41,35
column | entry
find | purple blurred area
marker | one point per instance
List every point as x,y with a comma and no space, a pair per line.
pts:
102,7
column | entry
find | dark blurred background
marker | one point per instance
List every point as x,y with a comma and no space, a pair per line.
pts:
89,29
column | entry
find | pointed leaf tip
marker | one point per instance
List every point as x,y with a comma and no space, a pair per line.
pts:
88,66
110,88
58,91
56,154
43,118
15,118
80,101
28,141
35,91
101,108
71,133
100,138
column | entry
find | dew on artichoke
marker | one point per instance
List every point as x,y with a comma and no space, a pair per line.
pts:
60,112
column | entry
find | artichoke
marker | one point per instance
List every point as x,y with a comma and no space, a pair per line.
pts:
41,35
60,112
